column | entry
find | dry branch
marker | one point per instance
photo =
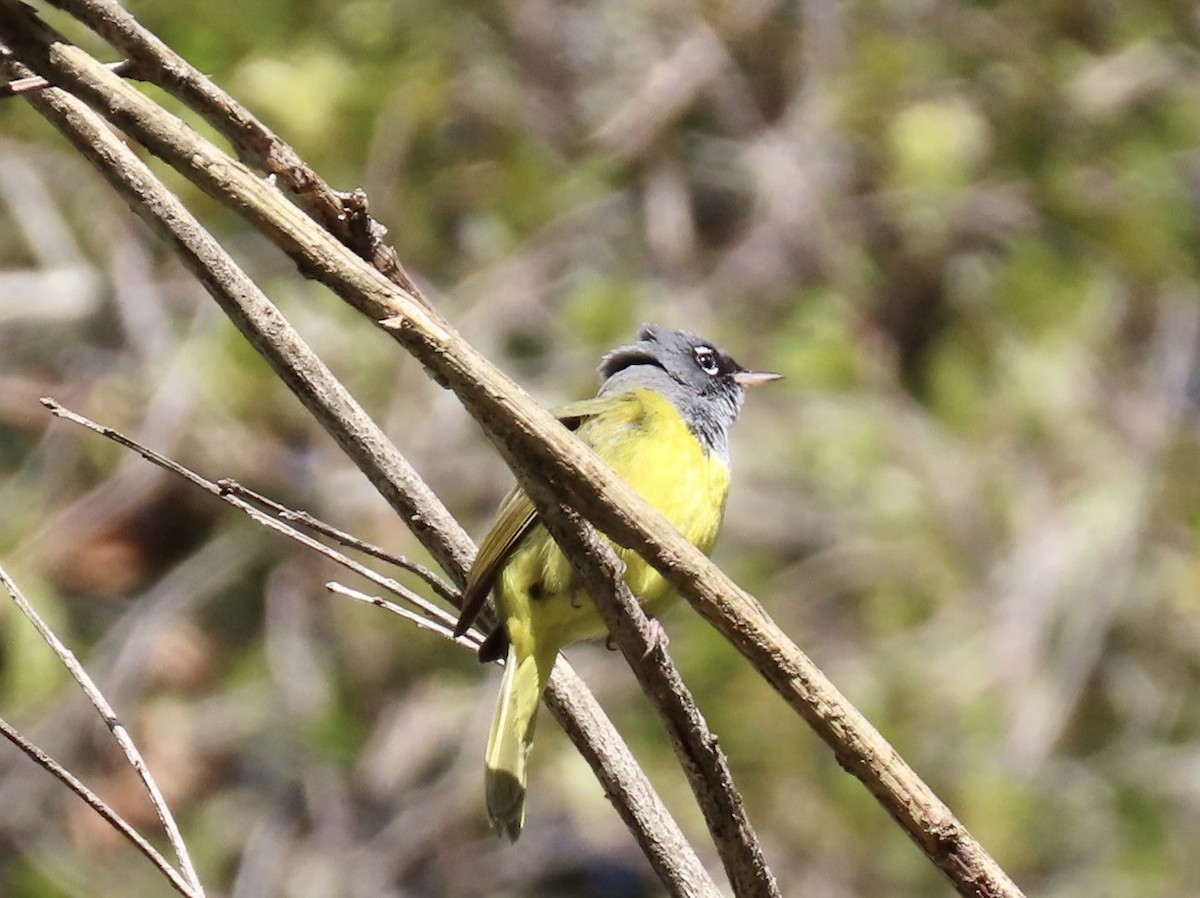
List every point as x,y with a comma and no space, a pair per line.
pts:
184,880
303,519
97,804
697,748
569,699
271,520
537,446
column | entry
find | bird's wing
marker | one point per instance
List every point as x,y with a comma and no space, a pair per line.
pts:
575,413
514,519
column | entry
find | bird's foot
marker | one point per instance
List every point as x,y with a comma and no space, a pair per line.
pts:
658,638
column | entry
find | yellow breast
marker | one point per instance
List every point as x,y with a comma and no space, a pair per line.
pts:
646,442
655,451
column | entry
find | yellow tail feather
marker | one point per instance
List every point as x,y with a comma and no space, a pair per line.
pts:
510,740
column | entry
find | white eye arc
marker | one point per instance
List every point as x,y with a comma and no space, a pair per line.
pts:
707,360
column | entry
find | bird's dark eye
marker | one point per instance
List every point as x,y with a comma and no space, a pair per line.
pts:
707,360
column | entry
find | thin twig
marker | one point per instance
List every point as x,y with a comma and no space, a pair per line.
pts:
349,540
100,703
424,606
424,623
96,803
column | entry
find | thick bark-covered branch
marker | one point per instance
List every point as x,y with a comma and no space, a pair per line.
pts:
534,443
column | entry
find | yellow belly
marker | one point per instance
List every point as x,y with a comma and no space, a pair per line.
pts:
647,443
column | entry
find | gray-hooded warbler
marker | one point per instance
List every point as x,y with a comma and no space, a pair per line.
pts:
661,421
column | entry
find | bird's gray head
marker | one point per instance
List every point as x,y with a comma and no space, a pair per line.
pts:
702,381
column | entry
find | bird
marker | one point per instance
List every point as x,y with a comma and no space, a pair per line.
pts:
661,421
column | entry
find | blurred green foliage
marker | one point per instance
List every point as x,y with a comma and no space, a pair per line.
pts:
968,235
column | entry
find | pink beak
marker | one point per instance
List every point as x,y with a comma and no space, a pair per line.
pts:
756,378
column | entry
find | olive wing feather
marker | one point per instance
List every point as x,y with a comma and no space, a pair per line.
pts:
514,519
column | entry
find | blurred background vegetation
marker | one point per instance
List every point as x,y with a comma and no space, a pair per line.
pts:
967,233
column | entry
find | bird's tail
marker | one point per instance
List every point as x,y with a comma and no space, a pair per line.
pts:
511,738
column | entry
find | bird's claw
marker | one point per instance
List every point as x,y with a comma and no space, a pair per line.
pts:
658,639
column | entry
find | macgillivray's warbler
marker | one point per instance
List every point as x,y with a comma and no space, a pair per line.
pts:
661,421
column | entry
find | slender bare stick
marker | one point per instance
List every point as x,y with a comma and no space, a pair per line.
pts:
96,803
424,606
130,750
424,623
304,519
